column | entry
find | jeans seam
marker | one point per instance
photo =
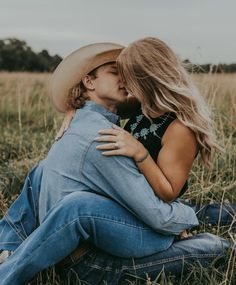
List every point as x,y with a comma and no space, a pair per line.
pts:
177,258
8,242
34,204
22,231
114,221
162,261
12,225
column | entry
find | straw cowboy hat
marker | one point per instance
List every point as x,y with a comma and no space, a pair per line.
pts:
76,65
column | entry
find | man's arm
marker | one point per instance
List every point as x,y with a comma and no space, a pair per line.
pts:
119,178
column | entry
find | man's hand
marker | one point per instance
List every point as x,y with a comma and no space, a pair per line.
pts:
184,234
65,124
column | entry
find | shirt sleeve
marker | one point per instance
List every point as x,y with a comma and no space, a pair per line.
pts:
119,178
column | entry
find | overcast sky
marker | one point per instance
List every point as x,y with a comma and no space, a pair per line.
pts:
200,30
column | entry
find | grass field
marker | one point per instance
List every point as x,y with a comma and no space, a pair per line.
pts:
28,125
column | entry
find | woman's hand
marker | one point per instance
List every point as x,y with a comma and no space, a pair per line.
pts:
120,142
65,124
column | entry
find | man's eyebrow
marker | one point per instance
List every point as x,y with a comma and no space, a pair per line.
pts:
113,67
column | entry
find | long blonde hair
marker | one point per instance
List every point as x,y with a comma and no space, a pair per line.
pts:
157,78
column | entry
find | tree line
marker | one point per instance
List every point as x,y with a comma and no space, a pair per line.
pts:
16,55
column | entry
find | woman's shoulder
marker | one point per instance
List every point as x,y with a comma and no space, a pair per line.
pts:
178,131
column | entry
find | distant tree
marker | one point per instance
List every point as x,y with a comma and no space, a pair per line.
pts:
16,55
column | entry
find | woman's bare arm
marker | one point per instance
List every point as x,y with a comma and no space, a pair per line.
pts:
166,176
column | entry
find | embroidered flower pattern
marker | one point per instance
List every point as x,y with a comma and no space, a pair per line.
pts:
153,128
143,133
139,118
133,127
136,135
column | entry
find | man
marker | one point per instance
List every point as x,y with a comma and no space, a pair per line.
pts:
74,172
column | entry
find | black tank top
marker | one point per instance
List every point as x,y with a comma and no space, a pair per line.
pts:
150,134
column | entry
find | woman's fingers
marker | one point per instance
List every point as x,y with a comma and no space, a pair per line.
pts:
117,127
106,139
108,146
117,142
111,149
112,152
109,132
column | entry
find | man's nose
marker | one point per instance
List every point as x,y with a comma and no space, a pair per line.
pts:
122,83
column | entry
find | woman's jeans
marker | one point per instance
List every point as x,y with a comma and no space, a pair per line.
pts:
87,216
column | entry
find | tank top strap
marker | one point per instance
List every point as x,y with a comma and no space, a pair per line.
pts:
167,119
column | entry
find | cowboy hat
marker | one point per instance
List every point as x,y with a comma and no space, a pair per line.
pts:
76,65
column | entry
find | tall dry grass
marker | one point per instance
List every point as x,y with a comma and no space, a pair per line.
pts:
28,125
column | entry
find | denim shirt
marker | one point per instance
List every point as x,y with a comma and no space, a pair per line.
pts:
74,164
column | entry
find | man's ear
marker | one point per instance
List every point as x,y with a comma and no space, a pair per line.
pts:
88,82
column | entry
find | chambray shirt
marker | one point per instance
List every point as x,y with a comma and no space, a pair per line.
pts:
74,164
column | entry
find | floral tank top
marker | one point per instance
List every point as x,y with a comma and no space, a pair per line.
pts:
150,133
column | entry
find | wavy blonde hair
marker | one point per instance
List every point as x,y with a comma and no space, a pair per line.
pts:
158,79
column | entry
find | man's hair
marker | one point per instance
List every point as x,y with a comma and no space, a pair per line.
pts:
77,95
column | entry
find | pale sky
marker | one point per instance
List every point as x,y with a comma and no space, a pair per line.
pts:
203,31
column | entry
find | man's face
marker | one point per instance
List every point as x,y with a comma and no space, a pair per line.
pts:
109,89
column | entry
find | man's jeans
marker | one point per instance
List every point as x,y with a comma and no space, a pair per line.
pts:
21,218
98,268
87,216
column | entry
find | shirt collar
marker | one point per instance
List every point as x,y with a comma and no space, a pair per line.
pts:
93,106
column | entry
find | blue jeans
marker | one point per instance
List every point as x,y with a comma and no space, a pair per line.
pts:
21,218
79,217
96,266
